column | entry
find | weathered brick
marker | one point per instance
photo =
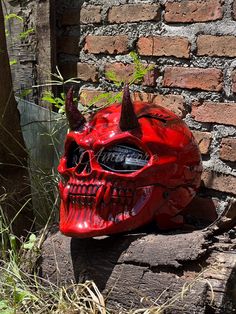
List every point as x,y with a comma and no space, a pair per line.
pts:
68,44
188,11
164,46
204,141
219,46
234,81
219,182
106,44
202,209
209,79
222,113
150,78
228,149
90,14
124,72
129,13
174,103
68,69
87,72
86,15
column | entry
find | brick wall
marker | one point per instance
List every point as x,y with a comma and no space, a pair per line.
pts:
193,47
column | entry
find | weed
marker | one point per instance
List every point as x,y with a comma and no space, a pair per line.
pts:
58,80
25,34
140,70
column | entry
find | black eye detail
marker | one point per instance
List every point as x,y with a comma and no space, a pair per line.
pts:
74,155
123,158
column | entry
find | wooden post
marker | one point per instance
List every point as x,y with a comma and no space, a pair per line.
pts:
14,178
46,43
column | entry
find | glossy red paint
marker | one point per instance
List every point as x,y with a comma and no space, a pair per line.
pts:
99,199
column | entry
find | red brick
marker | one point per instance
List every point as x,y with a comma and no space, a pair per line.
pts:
203,209
228,149
164,46
106,44
150,78
234,82
188,11
218,46
222,113
124,72
87,72
209,79
129,13
219,182
90,14
174,103
68,70
204,141
68,45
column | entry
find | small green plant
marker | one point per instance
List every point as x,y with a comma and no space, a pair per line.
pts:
13,16
22,35
48,96
13,62
25,92
140,70
107,98
25,34
58,80
57,102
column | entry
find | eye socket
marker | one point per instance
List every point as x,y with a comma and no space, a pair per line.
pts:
122,158
74,155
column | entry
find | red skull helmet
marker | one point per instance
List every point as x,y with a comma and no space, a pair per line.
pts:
130,164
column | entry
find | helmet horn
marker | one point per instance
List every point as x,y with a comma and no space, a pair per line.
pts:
74,116
128,118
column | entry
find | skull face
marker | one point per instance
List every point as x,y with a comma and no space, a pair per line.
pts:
129,165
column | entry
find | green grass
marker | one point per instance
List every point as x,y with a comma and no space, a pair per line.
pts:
22,290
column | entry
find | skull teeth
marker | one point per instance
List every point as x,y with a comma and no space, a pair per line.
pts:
84,208
109,192
90,199
108,202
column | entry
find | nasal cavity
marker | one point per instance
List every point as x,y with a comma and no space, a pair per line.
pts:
84,164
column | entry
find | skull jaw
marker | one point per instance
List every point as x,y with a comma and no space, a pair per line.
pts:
150,205
77,230
89,223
